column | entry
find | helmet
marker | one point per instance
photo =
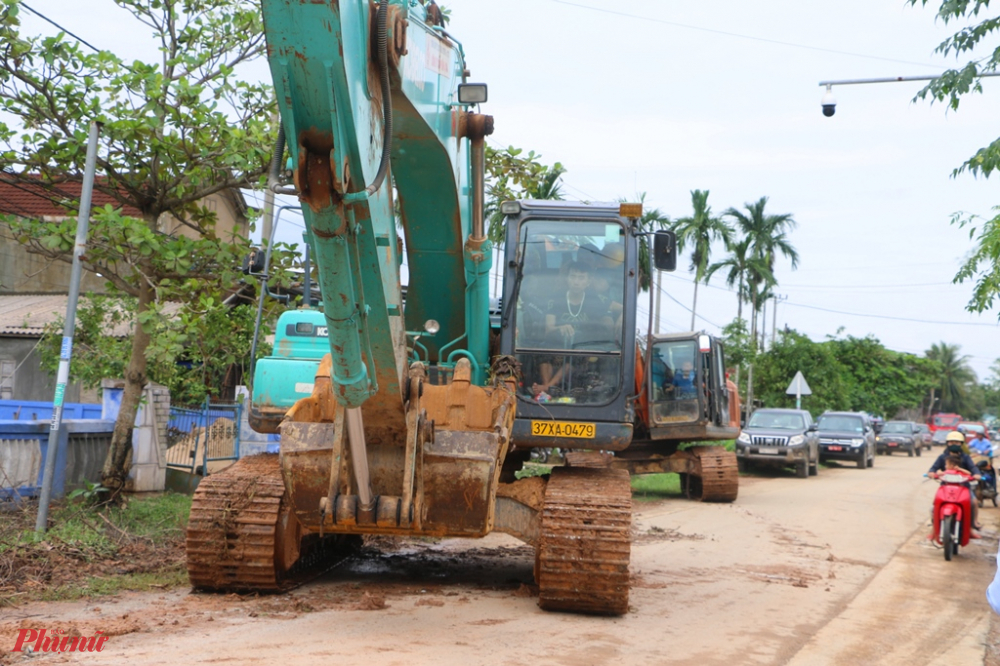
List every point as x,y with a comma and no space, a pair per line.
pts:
955,436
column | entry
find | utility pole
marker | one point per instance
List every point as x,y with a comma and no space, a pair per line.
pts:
69,327
774,324
269,200
659,290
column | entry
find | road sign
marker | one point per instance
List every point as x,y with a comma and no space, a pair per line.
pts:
799,386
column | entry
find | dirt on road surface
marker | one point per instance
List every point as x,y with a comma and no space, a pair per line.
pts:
833,569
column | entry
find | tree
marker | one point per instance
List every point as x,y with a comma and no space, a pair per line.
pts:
174,132
955,377
697,233
793,352
983,264
512,175
652,219
736,266
766,236
189,354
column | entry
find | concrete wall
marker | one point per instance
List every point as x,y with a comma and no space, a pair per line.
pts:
23,272
30,381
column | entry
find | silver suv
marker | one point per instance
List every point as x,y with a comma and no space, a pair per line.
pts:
846,436
780,437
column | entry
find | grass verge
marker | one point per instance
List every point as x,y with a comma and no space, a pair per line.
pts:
89,551
656,486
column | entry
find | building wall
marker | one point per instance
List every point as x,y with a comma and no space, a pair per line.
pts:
231,221
30,381
23,272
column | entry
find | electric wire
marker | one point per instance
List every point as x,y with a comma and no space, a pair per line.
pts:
76,37
726,33
844,312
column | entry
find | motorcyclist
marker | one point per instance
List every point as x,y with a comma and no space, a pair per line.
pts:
954,443
981,445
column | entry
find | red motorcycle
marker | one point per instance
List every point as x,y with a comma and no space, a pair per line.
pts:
952,512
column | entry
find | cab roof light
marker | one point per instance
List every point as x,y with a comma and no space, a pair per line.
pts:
472,93
510,208
630,209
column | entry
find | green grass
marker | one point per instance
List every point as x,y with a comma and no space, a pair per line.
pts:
656,486
95,551
101,586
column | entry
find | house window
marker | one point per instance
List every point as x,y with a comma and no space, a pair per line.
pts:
7,380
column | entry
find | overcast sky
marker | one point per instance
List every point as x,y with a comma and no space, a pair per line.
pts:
664,96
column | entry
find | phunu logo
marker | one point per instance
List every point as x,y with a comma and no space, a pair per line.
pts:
58,641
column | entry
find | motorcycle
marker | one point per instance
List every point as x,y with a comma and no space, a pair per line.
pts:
987,487
952,512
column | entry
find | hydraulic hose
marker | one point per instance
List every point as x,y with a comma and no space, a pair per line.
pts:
274,173
383,65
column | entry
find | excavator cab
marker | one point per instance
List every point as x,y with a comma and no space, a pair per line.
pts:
686,396
568,318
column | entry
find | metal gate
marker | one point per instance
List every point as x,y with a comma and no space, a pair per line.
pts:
205,439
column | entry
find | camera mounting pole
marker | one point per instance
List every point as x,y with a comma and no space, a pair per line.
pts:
829,103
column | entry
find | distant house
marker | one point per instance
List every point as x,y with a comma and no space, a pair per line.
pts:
33,288
22,272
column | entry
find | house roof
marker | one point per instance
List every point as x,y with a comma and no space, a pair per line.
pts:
28,315
32,200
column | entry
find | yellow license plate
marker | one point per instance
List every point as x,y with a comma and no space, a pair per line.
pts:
563,429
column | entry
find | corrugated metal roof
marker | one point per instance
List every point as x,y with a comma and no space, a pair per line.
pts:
28,315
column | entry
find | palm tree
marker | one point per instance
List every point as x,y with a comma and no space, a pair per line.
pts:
736,265
698,232
651,220
956,375
766,236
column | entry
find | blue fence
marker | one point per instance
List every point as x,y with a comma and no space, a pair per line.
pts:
27,410
24,444
198,437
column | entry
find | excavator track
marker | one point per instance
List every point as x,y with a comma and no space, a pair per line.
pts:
583,552
717,478
240,536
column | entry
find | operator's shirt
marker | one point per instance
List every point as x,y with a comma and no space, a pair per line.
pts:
966,464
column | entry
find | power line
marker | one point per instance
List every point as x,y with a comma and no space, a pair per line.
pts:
46,18
865,286
739,35
851,314
873,316
671,297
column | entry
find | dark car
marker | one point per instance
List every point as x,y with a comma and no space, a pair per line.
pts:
925,435
940,437
899,436
846,436
781,438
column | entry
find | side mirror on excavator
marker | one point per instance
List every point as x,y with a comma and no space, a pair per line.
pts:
665,250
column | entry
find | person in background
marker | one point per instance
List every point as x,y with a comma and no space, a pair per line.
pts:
981,445
964,462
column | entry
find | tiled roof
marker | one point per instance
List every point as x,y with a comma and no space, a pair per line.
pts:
29,315
34,201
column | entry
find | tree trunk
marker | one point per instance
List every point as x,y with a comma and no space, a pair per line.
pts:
694,305
739,300
115,469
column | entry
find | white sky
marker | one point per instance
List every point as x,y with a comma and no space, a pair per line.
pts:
656,102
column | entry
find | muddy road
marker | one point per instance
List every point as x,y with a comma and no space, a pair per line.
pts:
827,570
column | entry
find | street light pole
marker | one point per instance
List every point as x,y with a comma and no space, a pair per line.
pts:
69,327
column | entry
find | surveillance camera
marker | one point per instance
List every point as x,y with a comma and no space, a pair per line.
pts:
829,103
